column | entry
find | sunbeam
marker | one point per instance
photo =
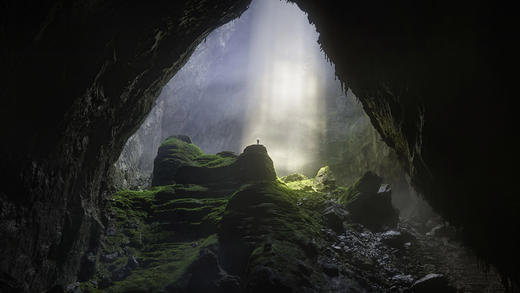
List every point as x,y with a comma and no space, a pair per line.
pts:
284,80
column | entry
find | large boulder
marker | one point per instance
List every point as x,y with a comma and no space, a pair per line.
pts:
370,203
266,238
174,152
253,165
325,178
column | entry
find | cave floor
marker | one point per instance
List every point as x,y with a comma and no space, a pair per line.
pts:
181,238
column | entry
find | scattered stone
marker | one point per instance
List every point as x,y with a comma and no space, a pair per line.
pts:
402,280
132,263
110,257
384,188
432,283
396,239
335,215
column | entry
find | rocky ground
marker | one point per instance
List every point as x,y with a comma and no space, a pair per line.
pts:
226,223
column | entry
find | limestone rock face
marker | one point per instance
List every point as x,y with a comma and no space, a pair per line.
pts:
426,88
77,80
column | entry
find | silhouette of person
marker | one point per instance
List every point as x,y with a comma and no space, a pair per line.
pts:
257,141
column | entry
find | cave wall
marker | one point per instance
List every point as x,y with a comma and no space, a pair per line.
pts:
210,97
436,79
204,100
78,77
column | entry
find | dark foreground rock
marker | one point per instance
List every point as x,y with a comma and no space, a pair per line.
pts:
370,203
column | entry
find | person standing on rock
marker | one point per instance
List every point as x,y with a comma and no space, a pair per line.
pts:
257,141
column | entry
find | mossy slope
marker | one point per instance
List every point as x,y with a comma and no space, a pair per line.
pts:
239,229
178,151
180,161
157,235
269,239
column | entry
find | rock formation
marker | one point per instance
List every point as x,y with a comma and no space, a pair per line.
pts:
260,234
437,81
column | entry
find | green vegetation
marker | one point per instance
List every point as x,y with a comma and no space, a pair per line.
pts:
159,233
213,161
191,155
180,149
163,229
176,152
167,263
303,185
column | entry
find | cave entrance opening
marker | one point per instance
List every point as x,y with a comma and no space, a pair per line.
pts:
264,76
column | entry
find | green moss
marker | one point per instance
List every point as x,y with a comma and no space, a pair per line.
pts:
303,185
293,177
175,143
269,224
158,227
167,263
190,154
213,161
268,210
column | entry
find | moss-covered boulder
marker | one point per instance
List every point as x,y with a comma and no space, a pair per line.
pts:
174,152
370,203
158,238
293,177
253,165
178,151
268,239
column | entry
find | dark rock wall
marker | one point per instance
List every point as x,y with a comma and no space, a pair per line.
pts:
436,79
78,77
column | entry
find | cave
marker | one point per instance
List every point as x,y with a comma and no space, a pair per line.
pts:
433,83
